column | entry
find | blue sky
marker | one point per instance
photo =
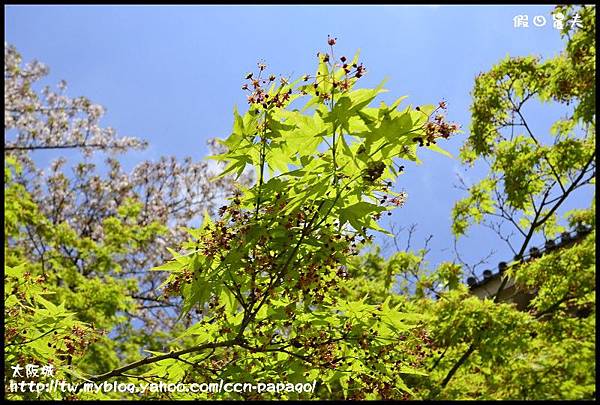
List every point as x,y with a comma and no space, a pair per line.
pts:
172,75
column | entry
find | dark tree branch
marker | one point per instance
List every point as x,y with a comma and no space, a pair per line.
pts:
70,146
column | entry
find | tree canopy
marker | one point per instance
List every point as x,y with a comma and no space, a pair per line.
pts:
109,278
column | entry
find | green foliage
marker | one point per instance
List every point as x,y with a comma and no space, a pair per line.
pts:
565,276
488,349
93,295
547,352
38,331
474,207
280,286
268,277
525,169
